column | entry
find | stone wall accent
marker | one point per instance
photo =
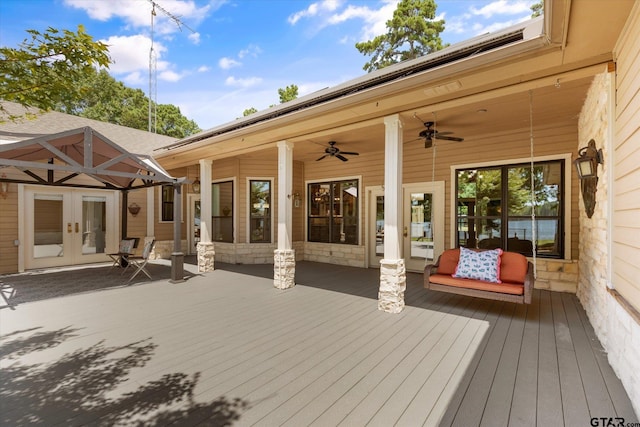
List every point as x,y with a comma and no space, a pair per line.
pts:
206,257
350,255
556,275
163,249
393,283
618,332
284,268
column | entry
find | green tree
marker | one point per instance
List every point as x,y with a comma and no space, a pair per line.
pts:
44,70
249,111
412,32
287,94
109,100
537,9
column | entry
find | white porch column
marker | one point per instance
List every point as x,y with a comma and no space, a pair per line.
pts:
393,276
206,253
284,265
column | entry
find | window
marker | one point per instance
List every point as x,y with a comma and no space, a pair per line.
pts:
166,210
222,211
333,212
260,208
494,208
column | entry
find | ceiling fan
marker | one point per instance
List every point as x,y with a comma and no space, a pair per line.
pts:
333,151
429,134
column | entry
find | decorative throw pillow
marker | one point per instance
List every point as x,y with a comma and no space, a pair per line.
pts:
483,265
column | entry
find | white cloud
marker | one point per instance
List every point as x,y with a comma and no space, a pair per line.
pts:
131,53
204,69
138,13
314,9
251,81
169,76
251,50
136,78
195,38
228,63
502,7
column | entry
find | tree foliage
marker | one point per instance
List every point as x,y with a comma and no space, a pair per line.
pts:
287,94
537,9
109,100
44,70
412,32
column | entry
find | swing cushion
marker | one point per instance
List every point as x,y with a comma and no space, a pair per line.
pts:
483,265
513,266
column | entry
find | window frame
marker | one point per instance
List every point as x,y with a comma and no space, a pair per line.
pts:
161,203
331,182
565,207
271,219
232,181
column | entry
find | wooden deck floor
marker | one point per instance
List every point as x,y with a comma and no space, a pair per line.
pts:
226,348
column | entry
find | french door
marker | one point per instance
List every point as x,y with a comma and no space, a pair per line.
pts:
422,224
68,226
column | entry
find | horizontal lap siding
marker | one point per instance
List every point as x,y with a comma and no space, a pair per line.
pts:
626,169
137,225
164,230
9,231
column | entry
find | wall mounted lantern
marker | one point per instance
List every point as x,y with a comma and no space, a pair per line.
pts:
4,187
587,167
196,186
134,209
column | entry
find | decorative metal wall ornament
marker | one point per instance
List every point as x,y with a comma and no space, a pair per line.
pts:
587,167
134,209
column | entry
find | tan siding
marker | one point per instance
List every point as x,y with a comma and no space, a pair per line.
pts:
9,231
298,213
626,171
137,225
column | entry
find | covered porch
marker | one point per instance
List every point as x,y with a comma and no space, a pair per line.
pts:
227,348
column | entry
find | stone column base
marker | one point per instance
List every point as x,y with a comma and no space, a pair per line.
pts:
393,283
284,268
206,256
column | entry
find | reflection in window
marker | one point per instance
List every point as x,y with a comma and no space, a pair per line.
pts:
167,203
222,211
333,212
494,208
260,208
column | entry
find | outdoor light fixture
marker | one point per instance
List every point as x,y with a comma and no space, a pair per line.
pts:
134,209
196,186
587,167
587,163
4,187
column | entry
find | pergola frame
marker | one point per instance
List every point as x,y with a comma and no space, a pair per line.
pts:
84,151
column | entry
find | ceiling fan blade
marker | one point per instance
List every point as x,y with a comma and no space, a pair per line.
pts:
321,157
448,138
349,153
341,157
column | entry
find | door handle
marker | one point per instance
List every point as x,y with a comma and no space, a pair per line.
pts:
404,233
77,228
69,227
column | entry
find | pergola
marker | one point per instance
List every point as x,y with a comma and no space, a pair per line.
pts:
84,151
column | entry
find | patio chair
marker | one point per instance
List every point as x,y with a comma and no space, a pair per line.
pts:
125,250
140,262
7,292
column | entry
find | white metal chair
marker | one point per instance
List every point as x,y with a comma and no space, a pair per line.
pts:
125,250
140,262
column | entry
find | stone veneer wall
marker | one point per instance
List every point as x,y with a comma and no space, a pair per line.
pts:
556,275
350,255
251,253
163,249
618,332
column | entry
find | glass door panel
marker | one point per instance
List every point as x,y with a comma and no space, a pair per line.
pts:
420,233
48,226
94,224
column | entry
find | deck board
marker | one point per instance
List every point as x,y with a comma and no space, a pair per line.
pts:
226,347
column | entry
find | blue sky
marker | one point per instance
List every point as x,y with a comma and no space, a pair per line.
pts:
234,54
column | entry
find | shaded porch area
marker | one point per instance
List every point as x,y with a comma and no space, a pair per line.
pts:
226,348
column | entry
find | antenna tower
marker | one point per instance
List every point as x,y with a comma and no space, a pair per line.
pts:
153,64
